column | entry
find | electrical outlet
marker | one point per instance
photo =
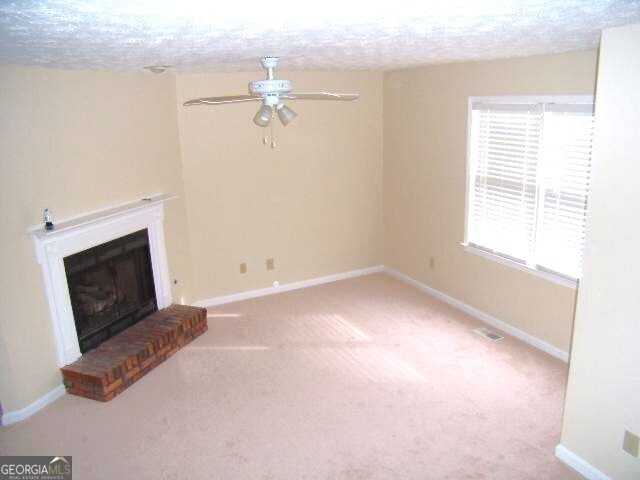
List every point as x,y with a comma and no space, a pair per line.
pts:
432,263
243,267
270,264
631,444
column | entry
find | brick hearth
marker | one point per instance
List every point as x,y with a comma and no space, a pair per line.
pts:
103,373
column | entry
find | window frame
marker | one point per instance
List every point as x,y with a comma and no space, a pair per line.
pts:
485,252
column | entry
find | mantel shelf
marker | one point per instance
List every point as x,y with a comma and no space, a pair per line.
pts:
83,220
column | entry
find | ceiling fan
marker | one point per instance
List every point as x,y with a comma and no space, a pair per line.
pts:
272,92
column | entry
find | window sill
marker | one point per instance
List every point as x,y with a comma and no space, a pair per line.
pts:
560,280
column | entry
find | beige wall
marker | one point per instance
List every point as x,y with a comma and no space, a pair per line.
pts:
603,394
73,141
314,203
425,139
77,141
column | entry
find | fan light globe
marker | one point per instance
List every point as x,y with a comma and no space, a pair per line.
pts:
263,117
285,114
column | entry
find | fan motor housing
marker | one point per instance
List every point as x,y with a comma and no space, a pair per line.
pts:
270,86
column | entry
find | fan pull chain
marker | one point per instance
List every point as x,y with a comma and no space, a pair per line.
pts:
273,140
264,136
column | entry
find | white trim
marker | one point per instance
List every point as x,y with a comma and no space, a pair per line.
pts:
578,99
236,297
75,221
50,397
18,415
86,232
468,168
485,317
474,312
552,277
579,464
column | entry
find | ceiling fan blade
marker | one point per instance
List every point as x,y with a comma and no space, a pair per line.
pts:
320,96
221,100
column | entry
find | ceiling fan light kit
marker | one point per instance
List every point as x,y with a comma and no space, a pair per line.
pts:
263,116
271,92
285,114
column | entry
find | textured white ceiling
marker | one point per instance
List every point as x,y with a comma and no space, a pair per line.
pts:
200,35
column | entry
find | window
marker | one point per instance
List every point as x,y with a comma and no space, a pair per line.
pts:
529,167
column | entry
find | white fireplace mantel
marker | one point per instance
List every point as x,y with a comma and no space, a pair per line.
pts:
81,233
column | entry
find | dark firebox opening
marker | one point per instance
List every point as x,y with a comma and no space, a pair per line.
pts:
111,288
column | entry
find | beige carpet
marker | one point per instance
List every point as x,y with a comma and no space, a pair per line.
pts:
361,379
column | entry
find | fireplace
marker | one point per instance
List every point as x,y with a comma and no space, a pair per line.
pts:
89,303
111,288
107,282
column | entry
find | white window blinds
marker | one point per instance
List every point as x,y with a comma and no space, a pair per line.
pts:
529,182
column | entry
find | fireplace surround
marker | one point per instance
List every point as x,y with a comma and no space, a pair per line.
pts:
86,232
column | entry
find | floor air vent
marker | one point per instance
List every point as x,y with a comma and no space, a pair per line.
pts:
488,334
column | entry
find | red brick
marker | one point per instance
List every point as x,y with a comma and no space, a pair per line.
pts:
103,373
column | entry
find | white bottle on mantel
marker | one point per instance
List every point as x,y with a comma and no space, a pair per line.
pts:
48,219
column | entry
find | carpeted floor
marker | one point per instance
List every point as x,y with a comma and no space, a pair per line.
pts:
360,379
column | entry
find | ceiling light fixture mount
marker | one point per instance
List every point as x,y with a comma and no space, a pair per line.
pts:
157,68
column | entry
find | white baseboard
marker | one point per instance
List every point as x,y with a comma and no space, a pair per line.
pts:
236,297
24,413
12,417
562,453
485,317
579,464
474,312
